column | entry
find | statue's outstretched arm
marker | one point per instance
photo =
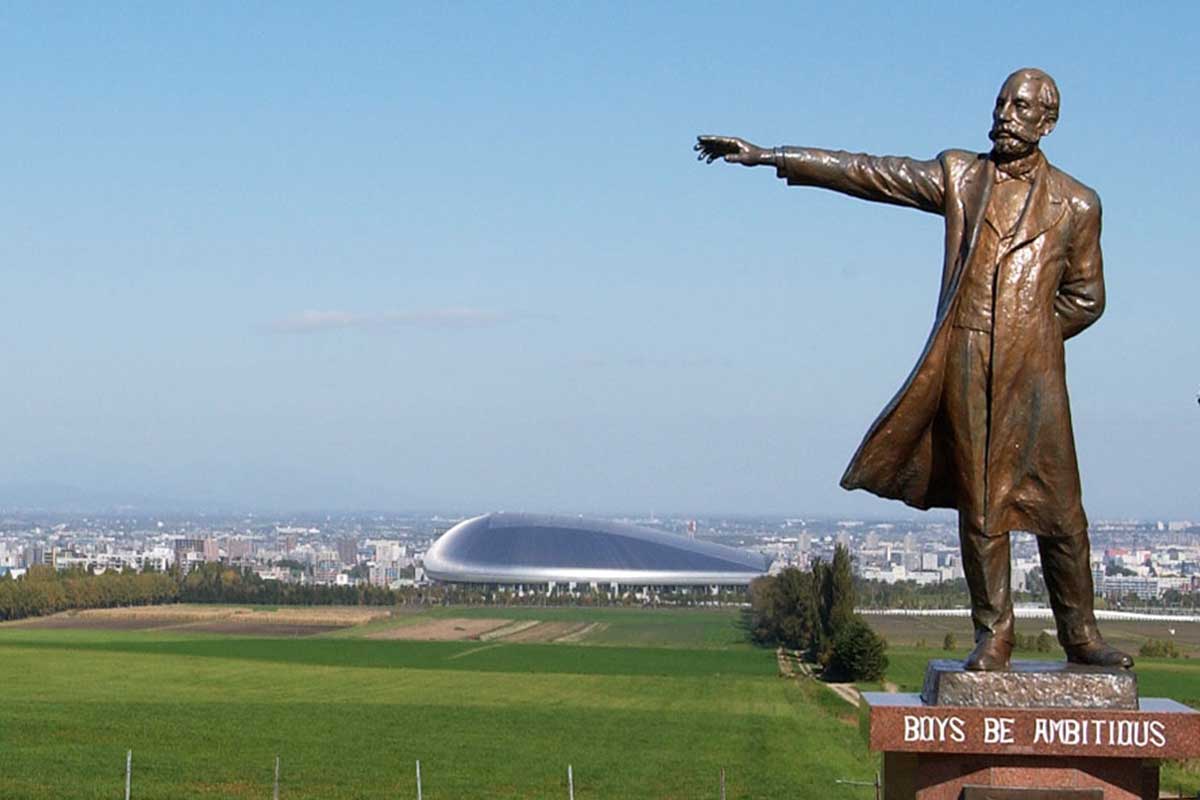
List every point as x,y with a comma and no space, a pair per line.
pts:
884,179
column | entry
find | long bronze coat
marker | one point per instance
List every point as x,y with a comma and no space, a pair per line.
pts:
1049,287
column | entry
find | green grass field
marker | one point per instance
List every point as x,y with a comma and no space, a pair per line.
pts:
650,704
205,715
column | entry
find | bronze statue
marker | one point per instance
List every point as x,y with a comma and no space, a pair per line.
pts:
982,424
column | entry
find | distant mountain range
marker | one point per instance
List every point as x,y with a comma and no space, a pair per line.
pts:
49,496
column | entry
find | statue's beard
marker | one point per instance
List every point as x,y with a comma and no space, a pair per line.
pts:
1008,144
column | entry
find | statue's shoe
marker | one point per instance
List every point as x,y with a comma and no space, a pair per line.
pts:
1098,653
990,654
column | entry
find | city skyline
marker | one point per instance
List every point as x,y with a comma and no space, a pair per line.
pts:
297,257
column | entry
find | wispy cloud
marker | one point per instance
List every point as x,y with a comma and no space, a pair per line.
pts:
318,321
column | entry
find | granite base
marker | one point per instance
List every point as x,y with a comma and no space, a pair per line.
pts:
938,776
1027,745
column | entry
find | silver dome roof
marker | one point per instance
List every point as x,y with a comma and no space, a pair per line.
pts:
537,548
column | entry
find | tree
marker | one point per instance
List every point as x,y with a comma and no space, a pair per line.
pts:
763,603
948,642
1035,583
783,611
841,590
857,653
1044,643
798,619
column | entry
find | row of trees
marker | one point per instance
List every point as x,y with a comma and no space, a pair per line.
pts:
812,611
45,590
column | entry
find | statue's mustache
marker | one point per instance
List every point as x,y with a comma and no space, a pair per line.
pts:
1004,130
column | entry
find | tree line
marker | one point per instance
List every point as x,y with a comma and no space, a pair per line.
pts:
812,611
45,590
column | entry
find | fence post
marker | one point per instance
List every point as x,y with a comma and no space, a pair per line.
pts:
128,773
418,779
275,793
570,783
722,783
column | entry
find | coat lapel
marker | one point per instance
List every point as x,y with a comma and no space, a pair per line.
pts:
973,198
1043,209
977,188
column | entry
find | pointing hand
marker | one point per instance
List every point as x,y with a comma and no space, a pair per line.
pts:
732,149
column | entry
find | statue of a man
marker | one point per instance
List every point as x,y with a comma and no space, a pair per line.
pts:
982,424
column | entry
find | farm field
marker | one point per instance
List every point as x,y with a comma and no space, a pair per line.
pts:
495,702
205,713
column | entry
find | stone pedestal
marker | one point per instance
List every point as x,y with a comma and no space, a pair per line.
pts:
1036,732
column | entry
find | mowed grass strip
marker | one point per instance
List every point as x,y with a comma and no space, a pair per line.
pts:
692,628
206,724
365,653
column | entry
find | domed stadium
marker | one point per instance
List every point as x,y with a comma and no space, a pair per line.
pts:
504,548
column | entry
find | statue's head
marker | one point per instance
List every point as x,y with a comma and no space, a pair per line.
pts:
1026,110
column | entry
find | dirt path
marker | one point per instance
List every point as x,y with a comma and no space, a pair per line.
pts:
509,630
546,632
846,691
792,666
582,633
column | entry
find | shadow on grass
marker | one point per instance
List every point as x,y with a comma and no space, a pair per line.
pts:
745,626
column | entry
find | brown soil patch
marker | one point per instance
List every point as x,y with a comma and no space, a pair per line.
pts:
239,619
546,632
442,630
312,615
251,629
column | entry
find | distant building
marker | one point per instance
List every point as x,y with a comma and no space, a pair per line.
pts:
1118,586
536,549
184,546
347,550
238,549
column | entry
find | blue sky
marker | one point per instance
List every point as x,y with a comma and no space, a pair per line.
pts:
460,256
